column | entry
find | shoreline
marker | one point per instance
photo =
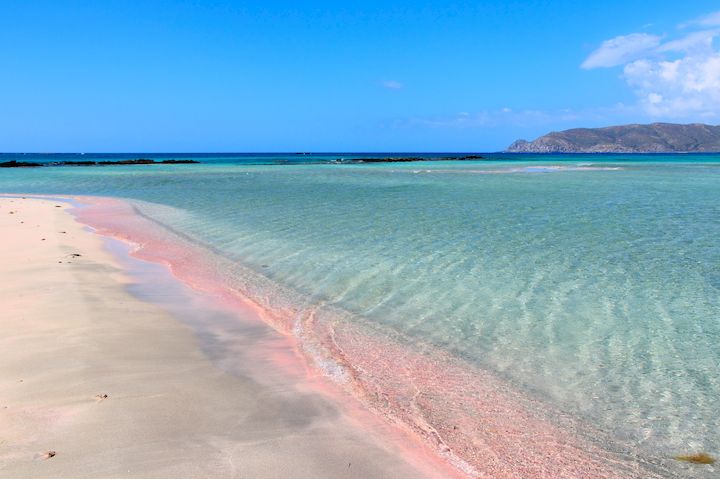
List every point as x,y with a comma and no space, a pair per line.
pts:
468,417
492,432
98,382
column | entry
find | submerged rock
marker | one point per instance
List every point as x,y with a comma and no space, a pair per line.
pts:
699,458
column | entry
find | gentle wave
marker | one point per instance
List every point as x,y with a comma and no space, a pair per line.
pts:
475,420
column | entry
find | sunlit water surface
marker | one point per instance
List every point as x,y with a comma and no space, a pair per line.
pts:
592,283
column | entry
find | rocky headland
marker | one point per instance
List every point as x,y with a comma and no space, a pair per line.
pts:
652,138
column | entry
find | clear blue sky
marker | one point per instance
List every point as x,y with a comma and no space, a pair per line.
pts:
343,76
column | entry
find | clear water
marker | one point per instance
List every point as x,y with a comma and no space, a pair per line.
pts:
591,282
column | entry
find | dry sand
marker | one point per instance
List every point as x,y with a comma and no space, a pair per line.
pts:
72,333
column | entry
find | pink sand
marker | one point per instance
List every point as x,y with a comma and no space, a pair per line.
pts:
439,407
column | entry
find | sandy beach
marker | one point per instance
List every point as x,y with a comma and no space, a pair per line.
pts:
456,240
95,382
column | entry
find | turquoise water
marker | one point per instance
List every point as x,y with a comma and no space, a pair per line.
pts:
590,282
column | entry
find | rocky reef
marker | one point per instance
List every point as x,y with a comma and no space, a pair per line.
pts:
138,161
407,159
18,164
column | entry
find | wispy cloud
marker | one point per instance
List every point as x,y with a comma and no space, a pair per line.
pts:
510,117
392,84
485,118
709,20
621,49
676,78
692,42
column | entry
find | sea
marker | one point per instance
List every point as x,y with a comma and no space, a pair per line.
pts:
587,285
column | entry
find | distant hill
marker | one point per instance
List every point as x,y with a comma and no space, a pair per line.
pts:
653,138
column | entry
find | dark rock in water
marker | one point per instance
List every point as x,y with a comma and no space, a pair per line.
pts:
76,163
386,160
407,159
18,164
139,161
378,160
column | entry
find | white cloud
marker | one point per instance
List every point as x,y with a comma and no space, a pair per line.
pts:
702,40
392,84
620,50
680,88
679,78
709,20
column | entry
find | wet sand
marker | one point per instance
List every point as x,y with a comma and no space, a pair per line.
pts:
95,382
468,418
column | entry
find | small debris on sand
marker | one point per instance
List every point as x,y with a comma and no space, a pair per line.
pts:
49,454
699,458
101,397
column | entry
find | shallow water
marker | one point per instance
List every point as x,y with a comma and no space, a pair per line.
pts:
590,283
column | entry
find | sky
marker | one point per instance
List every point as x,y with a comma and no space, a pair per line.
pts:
289,76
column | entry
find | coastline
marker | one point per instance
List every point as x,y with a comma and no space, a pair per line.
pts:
467,417
96,382
432,411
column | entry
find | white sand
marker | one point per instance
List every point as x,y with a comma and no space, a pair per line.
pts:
71,331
